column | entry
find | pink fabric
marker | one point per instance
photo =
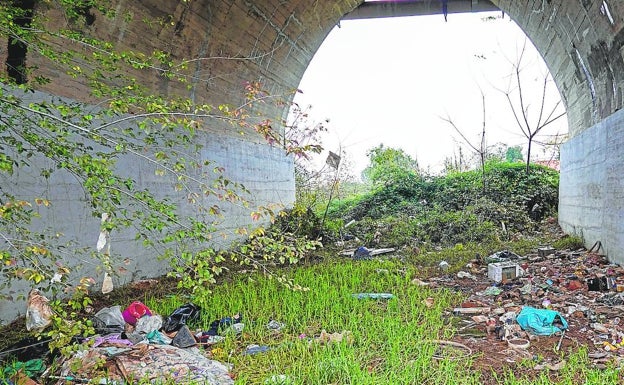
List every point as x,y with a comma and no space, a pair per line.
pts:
135,311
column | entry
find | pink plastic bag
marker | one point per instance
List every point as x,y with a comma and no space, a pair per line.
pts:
135,311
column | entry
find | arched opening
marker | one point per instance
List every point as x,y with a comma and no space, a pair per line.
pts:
398,80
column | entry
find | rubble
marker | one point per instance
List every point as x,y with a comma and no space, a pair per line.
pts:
579,286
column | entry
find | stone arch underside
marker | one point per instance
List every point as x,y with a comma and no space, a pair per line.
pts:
273,41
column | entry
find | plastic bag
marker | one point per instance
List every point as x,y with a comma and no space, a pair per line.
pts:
109,320
147,324
541,321
362,253
180,317
38,312
135,311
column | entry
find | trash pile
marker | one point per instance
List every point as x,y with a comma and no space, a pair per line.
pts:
131,345
519,308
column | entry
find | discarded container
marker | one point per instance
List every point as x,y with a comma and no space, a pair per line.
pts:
500,271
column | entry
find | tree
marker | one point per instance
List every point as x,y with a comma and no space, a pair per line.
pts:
531,121
388,165
513,154
127,122
481,149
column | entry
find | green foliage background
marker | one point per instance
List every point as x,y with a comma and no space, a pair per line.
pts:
450,209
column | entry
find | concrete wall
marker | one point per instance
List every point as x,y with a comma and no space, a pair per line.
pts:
591,190
264,170
582,43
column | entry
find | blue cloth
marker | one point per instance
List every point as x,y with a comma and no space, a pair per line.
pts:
541,321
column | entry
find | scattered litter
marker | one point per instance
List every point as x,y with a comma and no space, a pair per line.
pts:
479,318
255,349
541,322
492,290
472,310
233,323
554,367
207,339
158,338
275,325
373,295
38,312
444,266
30,368
109,320
463,274
183,338
418,282
362,253
327,338
135,311
502,256
236,328
180,316
107,284
429,302
114,339
148,324
518,343
545,251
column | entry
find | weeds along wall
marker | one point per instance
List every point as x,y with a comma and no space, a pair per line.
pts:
264,171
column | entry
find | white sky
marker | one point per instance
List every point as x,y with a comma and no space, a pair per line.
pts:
390,80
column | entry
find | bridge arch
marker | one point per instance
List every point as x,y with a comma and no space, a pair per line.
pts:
273,41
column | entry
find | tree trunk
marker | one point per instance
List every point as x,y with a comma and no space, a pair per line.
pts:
529,154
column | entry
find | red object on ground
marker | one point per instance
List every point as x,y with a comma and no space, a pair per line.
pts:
135,311
574,285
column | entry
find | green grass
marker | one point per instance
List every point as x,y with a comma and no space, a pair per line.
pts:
389,336
391,339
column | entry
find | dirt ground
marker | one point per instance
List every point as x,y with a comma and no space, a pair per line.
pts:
582,286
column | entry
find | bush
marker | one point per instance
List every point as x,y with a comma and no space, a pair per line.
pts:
454,208
448,228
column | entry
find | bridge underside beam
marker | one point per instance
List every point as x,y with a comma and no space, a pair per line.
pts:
381,9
